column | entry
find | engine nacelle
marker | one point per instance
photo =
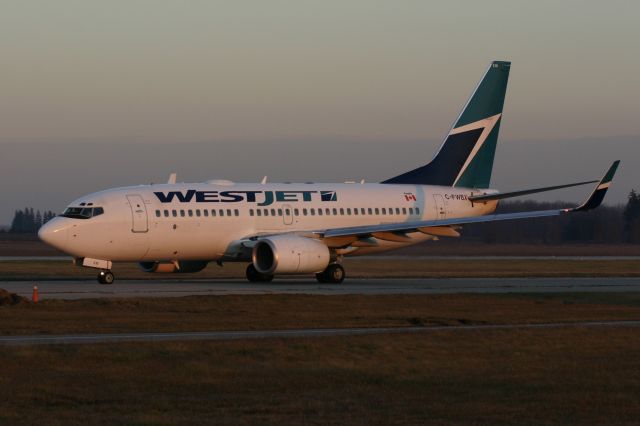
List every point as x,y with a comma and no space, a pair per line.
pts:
289,254
180,267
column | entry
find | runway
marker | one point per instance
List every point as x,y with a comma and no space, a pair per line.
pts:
65,339
176,288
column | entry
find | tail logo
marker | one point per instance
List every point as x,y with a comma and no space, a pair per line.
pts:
487,126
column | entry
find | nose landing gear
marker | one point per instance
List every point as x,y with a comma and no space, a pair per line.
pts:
106,277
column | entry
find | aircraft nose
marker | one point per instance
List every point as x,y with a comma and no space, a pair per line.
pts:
55,232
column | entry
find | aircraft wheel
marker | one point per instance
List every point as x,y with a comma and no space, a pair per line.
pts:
106,277
256,277
333,274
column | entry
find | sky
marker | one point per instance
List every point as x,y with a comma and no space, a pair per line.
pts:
95,94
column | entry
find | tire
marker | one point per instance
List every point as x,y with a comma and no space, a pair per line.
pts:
320,276
106,277
334,274
256,277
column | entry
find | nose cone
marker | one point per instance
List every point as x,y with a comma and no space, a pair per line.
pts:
55,232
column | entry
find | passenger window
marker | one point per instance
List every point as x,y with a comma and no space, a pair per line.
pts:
348,212
319,212
220,212
174,213
206,212
228,212
213,212
341,212
198,212
410,210
288,212
355,211
313,212
266,212
250,212
362,211
259,212
296,212
182,213
190,213
327,211
166,213
397,210
417,210
304,212
404,210
273,212
279,212
236,212
377,211
157,213
384,211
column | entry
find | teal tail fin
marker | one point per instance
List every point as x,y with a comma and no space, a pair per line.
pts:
465,159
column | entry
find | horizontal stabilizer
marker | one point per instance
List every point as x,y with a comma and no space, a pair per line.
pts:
503,195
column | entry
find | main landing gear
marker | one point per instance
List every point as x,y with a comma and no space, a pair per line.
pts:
106,277
257,277
333,274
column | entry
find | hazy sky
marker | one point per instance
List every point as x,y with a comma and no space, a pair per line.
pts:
306,72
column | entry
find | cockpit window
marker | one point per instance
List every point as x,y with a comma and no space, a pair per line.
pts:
82,212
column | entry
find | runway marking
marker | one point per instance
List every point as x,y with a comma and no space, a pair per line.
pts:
63,339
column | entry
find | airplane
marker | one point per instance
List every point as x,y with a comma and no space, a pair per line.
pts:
303,228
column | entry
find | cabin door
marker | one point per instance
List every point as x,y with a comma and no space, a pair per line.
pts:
441,209
138,214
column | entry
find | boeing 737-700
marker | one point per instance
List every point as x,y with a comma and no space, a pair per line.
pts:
288,228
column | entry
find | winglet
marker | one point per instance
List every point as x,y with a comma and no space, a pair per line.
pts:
596,197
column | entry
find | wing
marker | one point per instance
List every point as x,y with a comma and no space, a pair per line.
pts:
366,236
439,227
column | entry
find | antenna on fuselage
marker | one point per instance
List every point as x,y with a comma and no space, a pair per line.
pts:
264,180
172,178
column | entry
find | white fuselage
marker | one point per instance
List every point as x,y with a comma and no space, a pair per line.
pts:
201,221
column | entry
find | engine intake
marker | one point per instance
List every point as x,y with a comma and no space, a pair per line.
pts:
180,267
289,254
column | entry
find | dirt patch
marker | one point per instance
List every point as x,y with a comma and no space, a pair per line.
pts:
9,299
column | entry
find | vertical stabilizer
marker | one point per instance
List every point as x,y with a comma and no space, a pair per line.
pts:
465,159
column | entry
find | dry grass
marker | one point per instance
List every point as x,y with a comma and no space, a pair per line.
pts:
358,267
577,376
542,376
258,312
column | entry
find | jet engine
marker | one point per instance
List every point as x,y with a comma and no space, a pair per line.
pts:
180,267
290,254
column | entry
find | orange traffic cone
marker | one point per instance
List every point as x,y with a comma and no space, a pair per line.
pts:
34,296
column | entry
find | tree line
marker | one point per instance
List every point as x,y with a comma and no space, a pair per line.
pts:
28,221
606,224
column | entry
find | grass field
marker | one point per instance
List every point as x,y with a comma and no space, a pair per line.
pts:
265,312
356,267
543,376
